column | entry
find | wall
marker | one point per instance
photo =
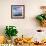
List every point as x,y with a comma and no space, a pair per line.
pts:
26,26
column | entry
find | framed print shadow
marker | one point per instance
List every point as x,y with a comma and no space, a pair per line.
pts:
17,11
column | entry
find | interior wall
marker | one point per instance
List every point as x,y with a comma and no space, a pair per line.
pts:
27,26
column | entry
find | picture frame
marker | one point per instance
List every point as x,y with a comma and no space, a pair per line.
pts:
17,11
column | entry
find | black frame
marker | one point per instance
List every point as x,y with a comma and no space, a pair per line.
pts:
18,17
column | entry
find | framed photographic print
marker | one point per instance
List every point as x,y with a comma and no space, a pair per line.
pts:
17,11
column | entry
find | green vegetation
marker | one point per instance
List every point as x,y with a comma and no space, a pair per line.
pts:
11,31
41,17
